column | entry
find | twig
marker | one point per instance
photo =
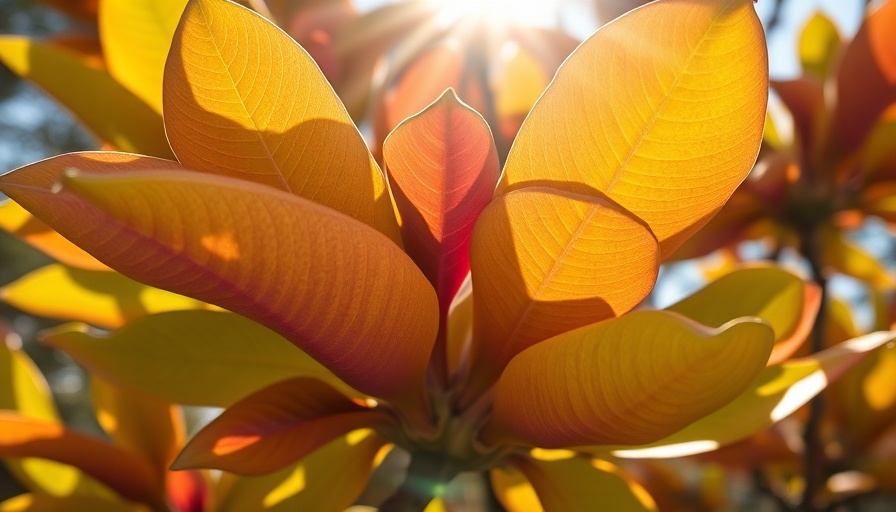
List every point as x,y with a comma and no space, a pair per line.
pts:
814,457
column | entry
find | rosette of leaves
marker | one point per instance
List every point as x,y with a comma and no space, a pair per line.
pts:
348,324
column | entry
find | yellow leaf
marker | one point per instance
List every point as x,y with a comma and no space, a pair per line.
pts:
329,479
24,390
16,220
77,503
208,358
545,261
130,475
676,125
104,299
844,256
782,299
109,110
243,100
552,482
818,45
777,392
136,37
628,380
137,422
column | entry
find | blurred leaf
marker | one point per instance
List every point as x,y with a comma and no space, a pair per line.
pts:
104,299
104,106
207,358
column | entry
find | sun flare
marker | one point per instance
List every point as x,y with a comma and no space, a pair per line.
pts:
502,12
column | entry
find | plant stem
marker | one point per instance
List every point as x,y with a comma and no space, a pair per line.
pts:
814,458
426,478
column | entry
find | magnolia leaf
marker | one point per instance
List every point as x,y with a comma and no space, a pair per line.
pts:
819,41
331,478
207,358
23,389
232,107
128,474
846,257
442,167
333,286
777,393
77,503
865,397
866,78
640,141
106,107
782,299
555,481
629,380
582,260
137,422
272,428
104,299
17,221
804,99
136,37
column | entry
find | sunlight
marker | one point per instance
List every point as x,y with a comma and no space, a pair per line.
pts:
502,12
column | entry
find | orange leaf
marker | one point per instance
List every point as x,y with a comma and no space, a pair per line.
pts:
17,221
546,261
128,474
627,380
804,99
339,290
442,167
274,427
866,78
233,106
641,141
139,423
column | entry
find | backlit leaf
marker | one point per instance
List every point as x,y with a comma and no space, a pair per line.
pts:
104,299
331,478
139,423
866,78
777,392
846,257
136,37
233,107
819,41
336,288
546,261
560,481
641,141
23,389
109,110
126,473
205,358
782,299
442,167
577,388
272,428
77,503
17,221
